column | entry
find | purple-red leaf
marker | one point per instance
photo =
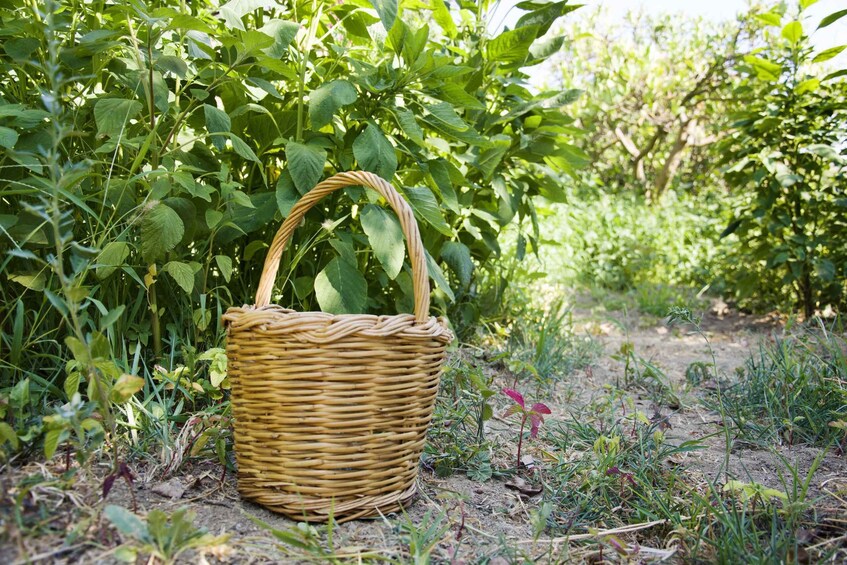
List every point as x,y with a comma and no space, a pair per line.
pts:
514,395
107,484
535,421
539,408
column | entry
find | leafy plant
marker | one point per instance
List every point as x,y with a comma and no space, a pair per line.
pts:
535,415
164,537
786,160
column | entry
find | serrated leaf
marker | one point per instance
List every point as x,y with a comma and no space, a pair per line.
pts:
374,152
424,204
110,114
341,289
327,99
386,238
387,10
161,230
305,164
182,273
217,121
491,157
458,258
225,265
111,257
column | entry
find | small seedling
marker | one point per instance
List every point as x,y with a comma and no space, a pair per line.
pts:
534,415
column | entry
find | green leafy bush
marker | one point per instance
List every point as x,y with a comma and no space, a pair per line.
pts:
191,129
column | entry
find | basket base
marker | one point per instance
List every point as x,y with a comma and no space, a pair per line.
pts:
321,509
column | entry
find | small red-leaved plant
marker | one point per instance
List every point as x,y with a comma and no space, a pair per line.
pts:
534,415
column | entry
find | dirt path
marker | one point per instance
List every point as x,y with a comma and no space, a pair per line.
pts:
457,519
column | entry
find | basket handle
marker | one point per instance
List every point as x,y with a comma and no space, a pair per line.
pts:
417,255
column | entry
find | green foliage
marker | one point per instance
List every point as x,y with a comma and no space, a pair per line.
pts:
787,163
164,537
149,151
794,390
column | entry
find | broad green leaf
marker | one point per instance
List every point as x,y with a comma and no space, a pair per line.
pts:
458,96
110,114
243,150
806,3
126,522
512,46
234,10
327,99
21,48
182,273
283,33
458,258
809,85
8,137
793,32
437,275
832,18
544,16
442,16
8,435
111,257
386,238
51,442
217,121
374,152
770,18
225,265
305,164
341,288
161,230
440,175
828,54
71,385
491,157
765,70
213,218
424,204
445,115
407,122
32,281
387,10
171,64
111,317
286,193
125,387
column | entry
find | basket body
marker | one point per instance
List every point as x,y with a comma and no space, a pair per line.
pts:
331,412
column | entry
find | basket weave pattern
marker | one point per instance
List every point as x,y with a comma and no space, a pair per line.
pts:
331,411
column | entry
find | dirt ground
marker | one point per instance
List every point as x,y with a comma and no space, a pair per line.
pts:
476,518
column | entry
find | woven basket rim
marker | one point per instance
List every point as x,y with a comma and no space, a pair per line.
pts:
324,327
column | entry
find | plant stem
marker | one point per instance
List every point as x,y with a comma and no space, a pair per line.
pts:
520,439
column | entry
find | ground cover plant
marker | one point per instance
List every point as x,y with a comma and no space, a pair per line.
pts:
604,247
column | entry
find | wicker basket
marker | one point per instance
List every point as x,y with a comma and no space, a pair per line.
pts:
331,412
